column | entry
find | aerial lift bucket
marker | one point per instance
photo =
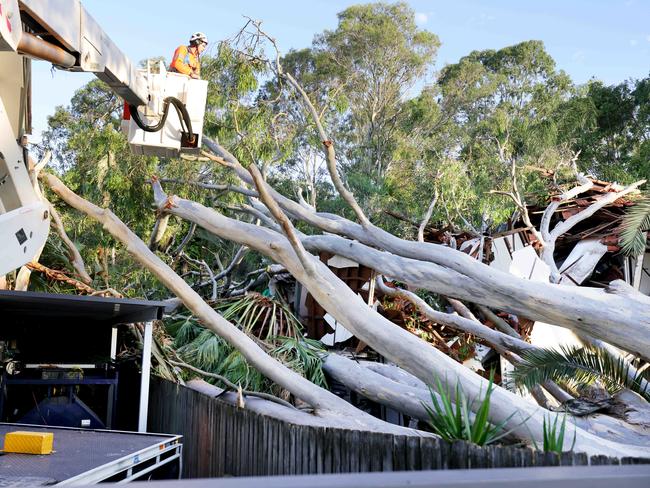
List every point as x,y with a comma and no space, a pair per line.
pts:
174,98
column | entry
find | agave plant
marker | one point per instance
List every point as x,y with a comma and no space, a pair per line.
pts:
455,422
576,366
554,435
635,224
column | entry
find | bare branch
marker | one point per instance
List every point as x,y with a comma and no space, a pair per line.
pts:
347,196
186,240
502,343
230,384
215,287
498,322
210,186
505,344
449,272
281,218
237,258
427,215
329,152
74,256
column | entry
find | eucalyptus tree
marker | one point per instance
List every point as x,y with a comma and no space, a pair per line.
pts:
378,55
617,144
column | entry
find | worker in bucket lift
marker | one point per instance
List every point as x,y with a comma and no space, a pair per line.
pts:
186,59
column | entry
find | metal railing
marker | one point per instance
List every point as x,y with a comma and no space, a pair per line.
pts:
554,477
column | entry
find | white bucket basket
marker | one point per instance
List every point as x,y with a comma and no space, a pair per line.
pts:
171,140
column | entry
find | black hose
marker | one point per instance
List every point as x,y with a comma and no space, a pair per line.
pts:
181,110
26,157
184,115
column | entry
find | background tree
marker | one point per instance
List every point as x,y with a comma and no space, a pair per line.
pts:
616,147
377,55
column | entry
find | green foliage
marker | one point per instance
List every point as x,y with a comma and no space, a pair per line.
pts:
554,435
302,355
262,318
615,145
378,54
513,99
455,422
576,366
635,226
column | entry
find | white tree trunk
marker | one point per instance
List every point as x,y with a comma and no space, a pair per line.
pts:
378,388
325,403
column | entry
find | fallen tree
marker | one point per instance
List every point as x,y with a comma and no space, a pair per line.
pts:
394,343
401,347
618,314
326,405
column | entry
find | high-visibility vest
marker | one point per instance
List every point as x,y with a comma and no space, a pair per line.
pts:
185,62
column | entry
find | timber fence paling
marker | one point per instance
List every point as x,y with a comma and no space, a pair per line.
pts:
221,439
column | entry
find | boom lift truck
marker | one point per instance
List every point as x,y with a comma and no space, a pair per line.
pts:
63,33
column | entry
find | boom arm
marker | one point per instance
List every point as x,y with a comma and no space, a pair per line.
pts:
68,26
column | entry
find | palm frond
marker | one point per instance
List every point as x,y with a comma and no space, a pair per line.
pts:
206,352
261,316
269,321
236,369
303,356
576,366
184,330
635,224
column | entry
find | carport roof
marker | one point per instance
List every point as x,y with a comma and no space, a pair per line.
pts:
24,306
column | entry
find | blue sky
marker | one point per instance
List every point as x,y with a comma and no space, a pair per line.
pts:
608,40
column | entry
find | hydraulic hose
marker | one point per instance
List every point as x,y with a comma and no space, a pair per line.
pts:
181,110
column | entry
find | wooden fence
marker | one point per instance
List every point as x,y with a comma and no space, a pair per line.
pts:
222,440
